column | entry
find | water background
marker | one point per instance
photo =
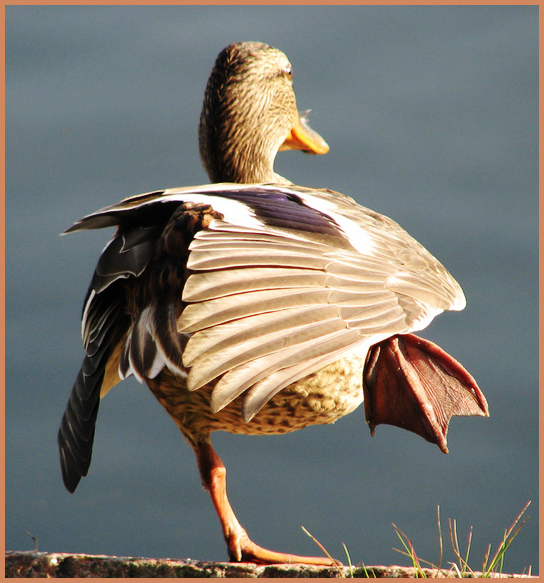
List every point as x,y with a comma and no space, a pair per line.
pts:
431,113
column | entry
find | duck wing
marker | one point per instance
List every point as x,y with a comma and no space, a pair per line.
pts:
311,278
104,322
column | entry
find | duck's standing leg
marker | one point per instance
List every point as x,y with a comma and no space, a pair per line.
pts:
240,546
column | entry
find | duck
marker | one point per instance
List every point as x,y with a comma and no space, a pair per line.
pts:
256,306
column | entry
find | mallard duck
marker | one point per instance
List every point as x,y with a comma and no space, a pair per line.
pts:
261,307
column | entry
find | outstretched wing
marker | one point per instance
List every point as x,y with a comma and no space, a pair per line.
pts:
311,279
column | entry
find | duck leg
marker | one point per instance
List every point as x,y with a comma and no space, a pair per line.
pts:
240,546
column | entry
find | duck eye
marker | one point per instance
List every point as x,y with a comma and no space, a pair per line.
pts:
288,72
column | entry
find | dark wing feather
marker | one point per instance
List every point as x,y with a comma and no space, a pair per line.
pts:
76,433
104,324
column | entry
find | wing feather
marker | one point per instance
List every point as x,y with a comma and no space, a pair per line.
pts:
219,310
213,284
207,367
254,329
240,378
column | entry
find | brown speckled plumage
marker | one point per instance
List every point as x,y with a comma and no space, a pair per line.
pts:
321,398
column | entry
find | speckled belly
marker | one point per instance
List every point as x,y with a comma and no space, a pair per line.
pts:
320,398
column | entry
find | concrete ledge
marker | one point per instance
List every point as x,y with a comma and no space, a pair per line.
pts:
33,564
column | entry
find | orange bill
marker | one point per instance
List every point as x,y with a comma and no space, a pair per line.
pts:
303,137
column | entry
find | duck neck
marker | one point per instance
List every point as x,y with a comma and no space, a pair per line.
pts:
236,158
234,150
241,165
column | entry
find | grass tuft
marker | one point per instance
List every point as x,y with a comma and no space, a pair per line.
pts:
460,568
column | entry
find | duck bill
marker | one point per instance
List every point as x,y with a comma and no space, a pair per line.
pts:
302,137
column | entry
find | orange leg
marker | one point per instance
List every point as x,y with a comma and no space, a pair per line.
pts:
240,546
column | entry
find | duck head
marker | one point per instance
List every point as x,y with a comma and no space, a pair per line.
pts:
249,114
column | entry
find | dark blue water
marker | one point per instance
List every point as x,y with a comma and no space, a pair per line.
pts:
431,114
